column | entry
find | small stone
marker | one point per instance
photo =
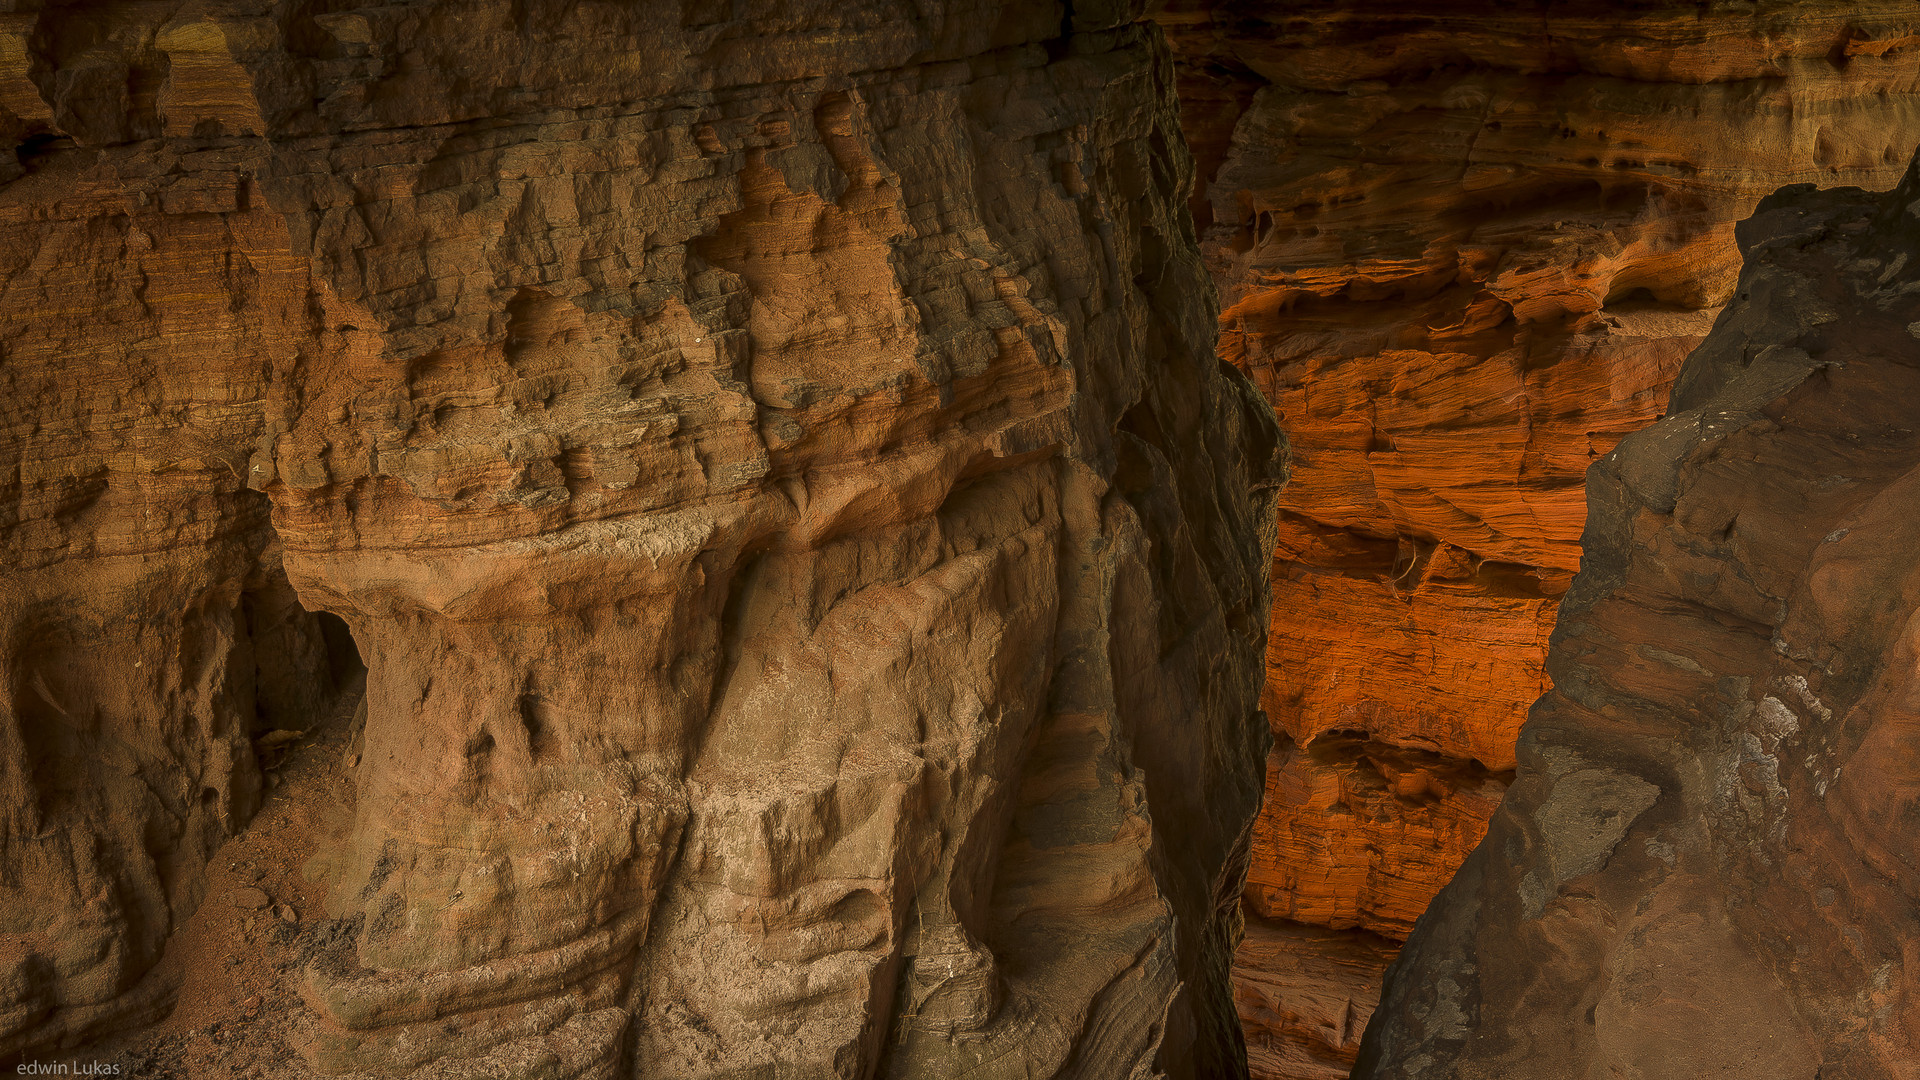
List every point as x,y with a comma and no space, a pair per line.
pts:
286,914
250,899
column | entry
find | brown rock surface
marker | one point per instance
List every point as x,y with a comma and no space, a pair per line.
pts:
808,557
1464,248
1306,993
146,628
1703,867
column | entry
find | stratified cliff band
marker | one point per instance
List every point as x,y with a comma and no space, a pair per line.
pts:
809,562
1704,866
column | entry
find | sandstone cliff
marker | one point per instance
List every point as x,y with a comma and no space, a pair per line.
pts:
1463,248
809,560
1704,866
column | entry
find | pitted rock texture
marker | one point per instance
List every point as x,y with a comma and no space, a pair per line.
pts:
809,559
1464,248
1703,866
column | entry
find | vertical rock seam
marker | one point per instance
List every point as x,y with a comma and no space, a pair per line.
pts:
810,562
1703,867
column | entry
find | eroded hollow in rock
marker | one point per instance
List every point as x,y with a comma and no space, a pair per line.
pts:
344,662
301,659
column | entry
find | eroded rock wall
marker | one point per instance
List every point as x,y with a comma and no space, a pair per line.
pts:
1464,248
147,633
809,558
1704,864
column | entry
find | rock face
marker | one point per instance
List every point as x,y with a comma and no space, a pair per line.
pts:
1464,248
146,629
1705,861
1305,993
809,560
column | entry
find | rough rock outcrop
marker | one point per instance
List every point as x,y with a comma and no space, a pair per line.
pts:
1463,248
809,559
1704,866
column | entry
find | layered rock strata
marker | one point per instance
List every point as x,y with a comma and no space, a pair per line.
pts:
1464,248
1305,994
1704,865
809,559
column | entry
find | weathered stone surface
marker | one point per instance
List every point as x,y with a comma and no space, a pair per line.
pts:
145,627
1463,248
1306,993
809,559
1703,866
1356,832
